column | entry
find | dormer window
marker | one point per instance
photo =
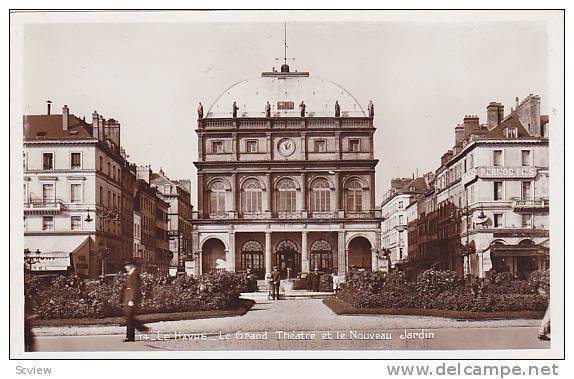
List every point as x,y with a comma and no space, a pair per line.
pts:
512,132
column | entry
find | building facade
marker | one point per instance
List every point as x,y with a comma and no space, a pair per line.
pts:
73,193
394,234
177,194
489,202
286,177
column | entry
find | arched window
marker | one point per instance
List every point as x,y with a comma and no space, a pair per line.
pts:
251,196
286,193
252,257
320,195
217,197
354,196
321,256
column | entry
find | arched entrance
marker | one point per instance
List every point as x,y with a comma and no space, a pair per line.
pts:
213,256
288,258
252,258
359,254
321,256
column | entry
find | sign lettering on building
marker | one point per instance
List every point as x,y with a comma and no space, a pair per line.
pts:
506,172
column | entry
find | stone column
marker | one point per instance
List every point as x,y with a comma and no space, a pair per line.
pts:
268,263
304,206
304,252
234,193
199,262
337,184
372,191
342,264
304,145
269,191
200,192
269,146
230,255
374,259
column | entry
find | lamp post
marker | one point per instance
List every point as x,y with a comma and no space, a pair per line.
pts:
30,259
467,212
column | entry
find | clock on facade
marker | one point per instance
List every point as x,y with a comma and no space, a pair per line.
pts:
286,147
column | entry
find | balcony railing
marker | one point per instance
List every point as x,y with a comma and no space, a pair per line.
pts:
44,207
530,205
232,215
286,122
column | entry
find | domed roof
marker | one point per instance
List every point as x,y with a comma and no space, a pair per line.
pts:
285,91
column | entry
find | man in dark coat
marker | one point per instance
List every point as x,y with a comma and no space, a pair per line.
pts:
275,282
316,281
130,297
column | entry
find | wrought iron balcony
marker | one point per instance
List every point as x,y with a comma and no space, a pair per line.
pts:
44,207
530,205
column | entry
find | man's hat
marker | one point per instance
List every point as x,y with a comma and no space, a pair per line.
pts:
129,263
275,267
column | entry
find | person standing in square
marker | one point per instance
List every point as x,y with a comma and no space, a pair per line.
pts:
275,282
130,297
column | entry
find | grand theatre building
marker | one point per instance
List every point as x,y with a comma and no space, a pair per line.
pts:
286,177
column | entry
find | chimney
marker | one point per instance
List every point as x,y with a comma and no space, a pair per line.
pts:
458,135
529,114
492,119
95,126
102,125
65,117
49,103
471,123
500,112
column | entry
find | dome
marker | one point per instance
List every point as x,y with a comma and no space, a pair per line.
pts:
284,91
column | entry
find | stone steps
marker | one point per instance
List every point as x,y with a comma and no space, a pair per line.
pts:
289,295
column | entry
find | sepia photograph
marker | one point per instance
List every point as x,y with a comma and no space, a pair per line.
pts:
326,184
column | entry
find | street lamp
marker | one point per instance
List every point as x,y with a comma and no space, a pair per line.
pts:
467,212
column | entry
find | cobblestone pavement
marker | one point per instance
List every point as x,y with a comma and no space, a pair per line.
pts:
307,323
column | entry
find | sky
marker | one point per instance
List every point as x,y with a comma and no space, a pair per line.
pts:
423,75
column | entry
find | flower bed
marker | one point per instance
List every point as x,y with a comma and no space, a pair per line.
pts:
60,299
444,290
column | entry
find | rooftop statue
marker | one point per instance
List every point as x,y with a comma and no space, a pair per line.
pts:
337,109
302,107
267,110
371,109
200,110
235,108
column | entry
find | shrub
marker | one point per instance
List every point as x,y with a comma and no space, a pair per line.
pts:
433,282
326,283
539,282
60,300
366,280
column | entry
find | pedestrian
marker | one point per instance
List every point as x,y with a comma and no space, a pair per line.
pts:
130,297
269,283
544,331
310,281
335,279
316,281
276,282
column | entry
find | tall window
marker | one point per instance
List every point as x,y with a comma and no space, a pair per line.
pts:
498,223
525,157
75,193
286,194
48,223
217,147
497,190
76,222
401,219
48,161
354,196
527,221
251,146
48,193
75,161
251,195
497,157
354,145
321,257
252,256
526,193
217,197
320,195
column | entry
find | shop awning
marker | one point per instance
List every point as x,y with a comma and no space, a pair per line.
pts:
518,250
55,251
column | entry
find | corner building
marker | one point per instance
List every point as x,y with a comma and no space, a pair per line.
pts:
285,185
